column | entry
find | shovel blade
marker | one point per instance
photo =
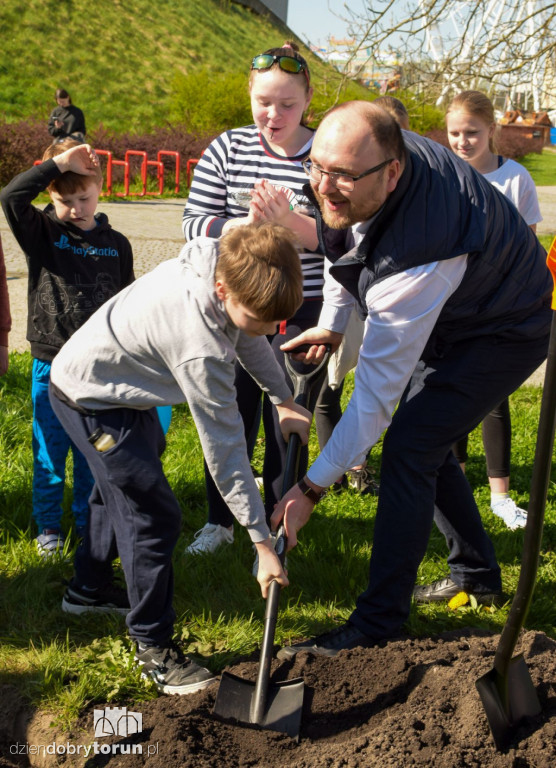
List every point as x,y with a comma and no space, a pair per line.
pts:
508,700
283,707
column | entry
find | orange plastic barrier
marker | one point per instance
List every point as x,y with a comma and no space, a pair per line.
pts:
109,161
190,164
145,163
176,156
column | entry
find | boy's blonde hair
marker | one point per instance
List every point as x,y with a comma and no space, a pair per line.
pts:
259,265
69,182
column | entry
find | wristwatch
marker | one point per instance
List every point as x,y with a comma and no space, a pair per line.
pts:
306,490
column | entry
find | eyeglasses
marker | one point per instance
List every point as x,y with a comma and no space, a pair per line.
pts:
286,63
342,181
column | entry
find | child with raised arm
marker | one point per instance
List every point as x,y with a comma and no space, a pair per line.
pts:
173,336
76,262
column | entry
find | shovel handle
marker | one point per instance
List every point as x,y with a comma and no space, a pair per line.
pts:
303,384
542,465
260,694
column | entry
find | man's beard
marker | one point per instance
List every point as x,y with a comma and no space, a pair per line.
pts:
349,214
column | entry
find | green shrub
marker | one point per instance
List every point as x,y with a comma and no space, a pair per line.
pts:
210,102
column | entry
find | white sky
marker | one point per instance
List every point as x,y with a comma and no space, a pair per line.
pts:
315,20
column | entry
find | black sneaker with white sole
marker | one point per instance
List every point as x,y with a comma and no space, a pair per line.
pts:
108,599
171,670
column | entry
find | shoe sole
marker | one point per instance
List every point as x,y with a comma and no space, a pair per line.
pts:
178,690
289,652
484,599
77,609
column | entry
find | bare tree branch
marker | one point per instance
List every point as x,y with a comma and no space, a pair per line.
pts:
505,46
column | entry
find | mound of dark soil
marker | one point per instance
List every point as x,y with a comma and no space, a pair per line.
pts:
410,703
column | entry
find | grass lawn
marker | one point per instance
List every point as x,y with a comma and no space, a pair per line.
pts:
62,662
542,167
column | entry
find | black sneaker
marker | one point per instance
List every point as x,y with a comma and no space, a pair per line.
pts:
171,671
108,599
362,481
342,638
445,589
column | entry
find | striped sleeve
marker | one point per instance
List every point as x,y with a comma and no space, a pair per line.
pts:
232,163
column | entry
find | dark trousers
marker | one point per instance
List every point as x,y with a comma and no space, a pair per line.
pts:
420,479
133,514
497,440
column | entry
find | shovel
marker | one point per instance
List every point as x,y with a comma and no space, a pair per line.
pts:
275,706
507,691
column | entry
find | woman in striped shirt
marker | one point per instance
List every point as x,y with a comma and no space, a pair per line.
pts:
252,173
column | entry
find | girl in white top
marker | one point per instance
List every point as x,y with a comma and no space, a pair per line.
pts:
471,129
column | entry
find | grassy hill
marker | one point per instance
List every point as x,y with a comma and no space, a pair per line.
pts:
118,58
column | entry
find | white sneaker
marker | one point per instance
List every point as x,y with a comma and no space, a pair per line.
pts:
511,514
209,538
50,543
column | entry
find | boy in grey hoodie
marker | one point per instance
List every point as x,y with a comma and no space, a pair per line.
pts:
173,336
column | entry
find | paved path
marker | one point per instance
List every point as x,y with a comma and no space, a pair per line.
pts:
154,230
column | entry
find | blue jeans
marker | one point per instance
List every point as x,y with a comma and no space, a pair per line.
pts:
51,445
421,481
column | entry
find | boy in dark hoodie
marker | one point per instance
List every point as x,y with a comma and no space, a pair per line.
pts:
76,262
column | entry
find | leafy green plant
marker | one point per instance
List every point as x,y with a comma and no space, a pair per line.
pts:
223,96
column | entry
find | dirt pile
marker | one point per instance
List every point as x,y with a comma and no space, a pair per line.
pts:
410,703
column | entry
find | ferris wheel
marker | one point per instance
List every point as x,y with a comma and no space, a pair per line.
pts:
496,40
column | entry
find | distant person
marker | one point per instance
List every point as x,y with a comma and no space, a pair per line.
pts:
5,316
66,120
76,262
471,128
396,108
254,173
173,337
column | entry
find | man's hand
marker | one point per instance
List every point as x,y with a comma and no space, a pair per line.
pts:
294,418
318,338
81,159
294,509
270,568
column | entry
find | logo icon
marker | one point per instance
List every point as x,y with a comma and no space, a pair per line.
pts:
117,721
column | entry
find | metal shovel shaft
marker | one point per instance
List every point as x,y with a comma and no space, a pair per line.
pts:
260,694
542,465
507,691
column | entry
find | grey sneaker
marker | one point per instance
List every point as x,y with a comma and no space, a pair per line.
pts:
362,481
171,671
445,589
209,538
50,543
108,599
511,514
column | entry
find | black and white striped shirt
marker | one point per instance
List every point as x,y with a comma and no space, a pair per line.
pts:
233,161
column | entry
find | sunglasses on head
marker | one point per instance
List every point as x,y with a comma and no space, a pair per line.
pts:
286,63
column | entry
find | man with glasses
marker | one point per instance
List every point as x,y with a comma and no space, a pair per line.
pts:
456,295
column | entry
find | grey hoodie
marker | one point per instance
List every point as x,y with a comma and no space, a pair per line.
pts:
166,339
